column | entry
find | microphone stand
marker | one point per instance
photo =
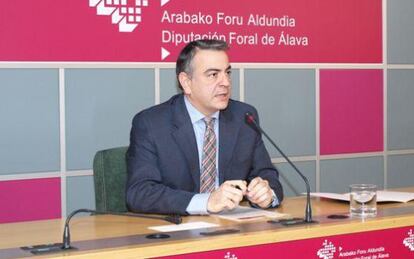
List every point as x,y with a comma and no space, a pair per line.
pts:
308,211
176,219
65,245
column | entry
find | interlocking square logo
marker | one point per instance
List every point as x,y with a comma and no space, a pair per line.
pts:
409,241
327,251
127,14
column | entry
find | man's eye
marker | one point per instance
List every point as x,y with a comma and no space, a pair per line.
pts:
229,72
213,75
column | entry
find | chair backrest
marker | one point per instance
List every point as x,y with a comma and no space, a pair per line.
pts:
109,174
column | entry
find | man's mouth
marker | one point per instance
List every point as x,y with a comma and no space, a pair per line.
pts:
222,95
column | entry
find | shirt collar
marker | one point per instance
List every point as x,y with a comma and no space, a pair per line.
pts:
196,115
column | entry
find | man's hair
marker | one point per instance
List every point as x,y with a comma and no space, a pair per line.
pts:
187,54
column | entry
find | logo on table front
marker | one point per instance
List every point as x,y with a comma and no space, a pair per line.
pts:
409,241
327,251
230,256
125,13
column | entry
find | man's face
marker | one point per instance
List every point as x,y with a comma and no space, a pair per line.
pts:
208,88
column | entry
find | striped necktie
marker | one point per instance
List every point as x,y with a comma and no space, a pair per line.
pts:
208,173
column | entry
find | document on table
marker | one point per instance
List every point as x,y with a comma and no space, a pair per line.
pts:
382,196
242,213
183,226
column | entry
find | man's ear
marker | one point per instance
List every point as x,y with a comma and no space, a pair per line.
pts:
185,82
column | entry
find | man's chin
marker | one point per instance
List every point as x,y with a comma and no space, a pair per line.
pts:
223,106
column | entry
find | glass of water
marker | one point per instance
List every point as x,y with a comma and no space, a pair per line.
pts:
363,200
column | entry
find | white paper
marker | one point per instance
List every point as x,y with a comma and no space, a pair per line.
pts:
242,213
333,196
183,226
382,196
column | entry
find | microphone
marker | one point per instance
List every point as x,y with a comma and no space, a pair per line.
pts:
65,245
176,219
250,120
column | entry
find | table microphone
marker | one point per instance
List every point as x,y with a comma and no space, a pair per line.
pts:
65,245
250,120
176,219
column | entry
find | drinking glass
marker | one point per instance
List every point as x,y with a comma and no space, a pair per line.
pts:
363,200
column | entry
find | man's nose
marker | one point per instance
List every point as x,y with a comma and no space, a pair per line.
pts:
225,80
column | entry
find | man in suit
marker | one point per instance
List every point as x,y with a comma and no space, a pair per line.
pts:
194,154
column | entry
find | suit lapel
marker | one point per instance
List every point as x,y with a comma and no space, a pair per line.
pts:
229,130
183,134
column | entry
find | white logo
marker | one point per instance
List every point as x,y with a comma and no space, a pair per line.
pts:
409,241
125,13
230,256
327,251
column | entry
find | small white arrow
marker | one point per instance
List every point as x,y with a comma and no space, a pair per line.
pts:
164,53
164,2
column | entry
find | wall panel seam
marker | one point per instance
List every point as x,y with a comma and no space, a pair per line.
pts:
62,129
385,90
317,131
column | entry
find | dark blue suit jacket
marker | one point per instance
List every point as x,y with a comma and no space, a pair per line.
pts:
163,164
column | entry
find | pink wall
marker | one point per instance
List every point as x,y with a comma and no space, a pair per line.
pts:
52,30
26,200
351,111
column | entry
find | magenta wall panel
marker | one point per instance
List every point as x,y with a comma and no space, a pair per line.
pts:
351,111
26,200
293,31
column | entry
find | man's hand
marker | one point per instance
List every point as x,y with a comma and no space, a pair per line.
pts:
227,196
259,192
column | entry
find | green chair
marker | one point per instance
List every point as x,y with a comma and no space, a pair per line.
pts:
109,174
